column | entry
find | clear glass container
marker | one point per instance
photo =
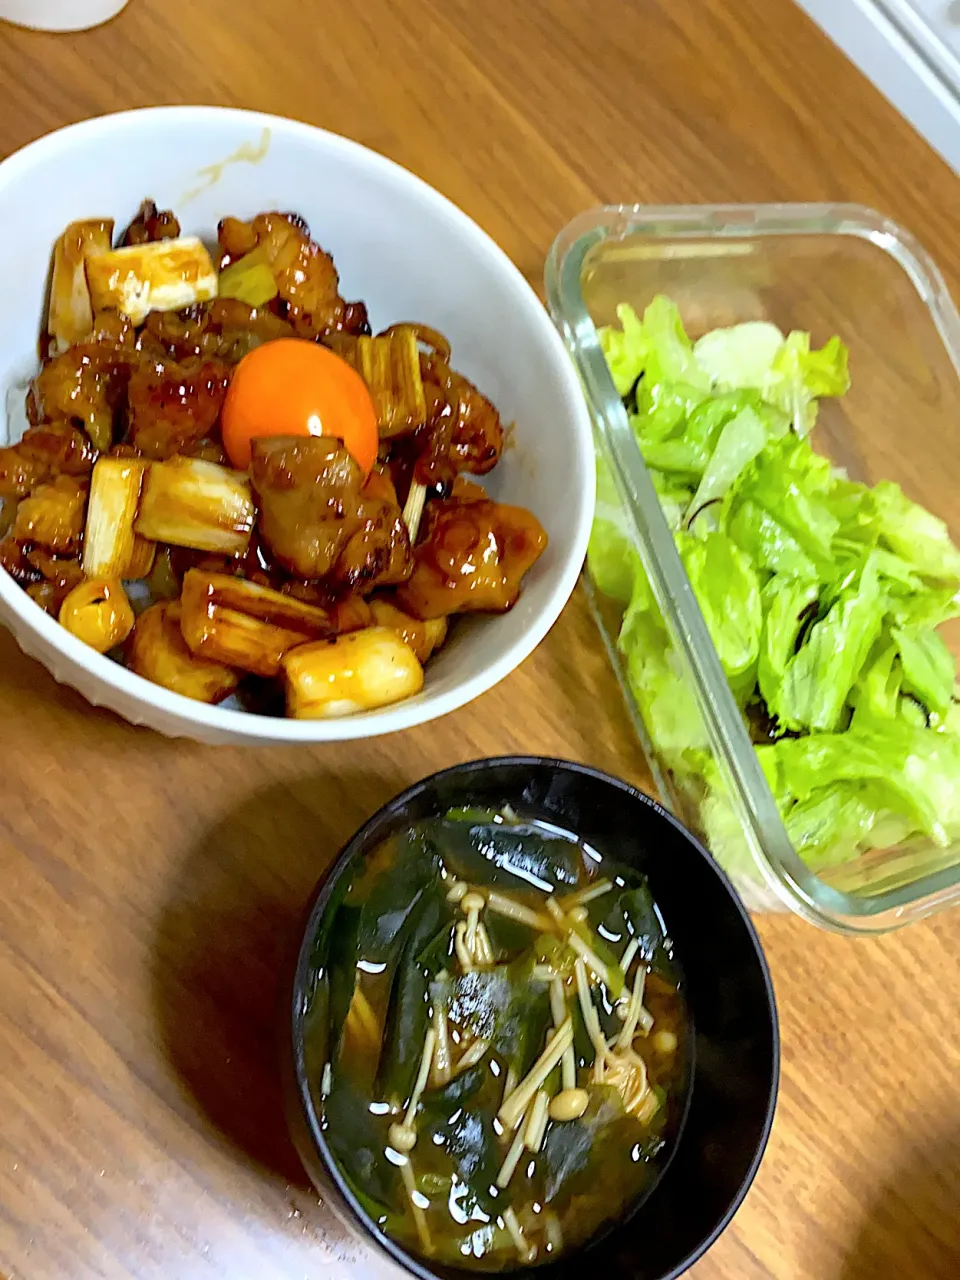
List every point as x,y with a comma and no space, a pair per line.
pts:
828,269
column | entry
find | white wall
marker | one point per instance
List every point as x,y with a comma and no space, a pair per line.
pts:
910,49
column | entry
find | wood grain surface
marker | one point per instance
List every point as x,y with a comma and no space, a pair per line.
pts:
148,888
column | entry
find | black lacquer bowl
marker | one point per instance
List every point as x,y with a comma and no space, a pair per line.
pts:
728,991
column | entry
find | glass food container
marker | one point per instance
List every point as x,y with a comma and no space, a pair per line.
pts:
829,269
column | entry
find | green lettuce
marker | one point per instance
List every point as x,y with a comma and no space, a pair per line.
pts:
817,681
669,352
675,496
787,604
728,591
653,670
741,356
624,349
612,558
878,692
822,596
929,670
919,537
791,483
837,823
741,439
761,535
799,377
917,767
662,410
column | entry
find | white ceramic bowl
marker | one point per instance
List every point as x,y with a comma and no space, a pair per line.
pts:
59,15
409,254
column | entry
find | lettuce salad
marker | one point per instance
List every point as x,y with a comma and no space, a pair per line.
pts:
822,595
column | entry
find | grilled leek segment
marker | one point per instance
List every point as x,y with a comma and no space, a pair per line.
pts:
424,638
162,275
70,313
157,652
98,612
111,548
198,504
390,366
355,672
243,624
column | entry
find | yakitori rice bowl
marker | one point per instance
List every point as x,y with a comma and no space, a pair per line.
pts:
247,488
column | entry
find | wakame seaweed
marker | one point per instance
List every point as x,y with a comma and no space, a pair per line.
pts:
502,1038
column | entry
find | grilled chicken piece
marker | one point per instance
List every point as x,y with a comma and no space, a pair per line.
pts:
52,516
171,408
463,430
319,520
85,386
224,329
60,447
44,452
306,279
56,569
151,224
308,490
60,575
19,473
472,557
378,553
13,558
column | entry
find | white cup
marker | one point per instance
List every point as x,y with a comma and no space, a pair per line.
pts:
59,15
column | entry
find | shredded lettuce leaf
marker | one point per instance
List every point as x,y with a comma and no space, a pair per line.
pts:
612,558
787,603
799,377
669,352
761,535
917,767
624,349
726,586
918,536
836,823
878,693
791,483
741,356
818,679
929,670
738,444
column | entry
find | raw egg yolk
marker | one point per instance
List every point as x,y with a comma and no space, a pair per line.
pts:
293,387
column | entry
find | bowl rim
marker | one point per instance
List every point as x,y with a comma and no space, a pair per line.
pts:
232,724
314,913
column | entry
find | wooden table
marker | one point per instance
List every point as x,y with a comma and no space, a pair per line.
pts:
148,887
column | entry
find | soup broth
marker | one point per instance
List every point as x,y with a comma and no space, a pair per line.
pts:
499,1037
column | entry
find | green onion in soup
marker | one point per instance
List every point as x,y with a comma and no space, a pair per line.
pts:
501,1037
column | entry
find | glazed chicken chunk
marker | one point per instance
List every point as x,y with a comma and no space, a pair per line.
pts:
317,518
306,280
473,555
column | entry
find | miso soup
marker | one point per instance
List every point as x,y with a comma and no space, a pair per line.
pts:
499,1039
